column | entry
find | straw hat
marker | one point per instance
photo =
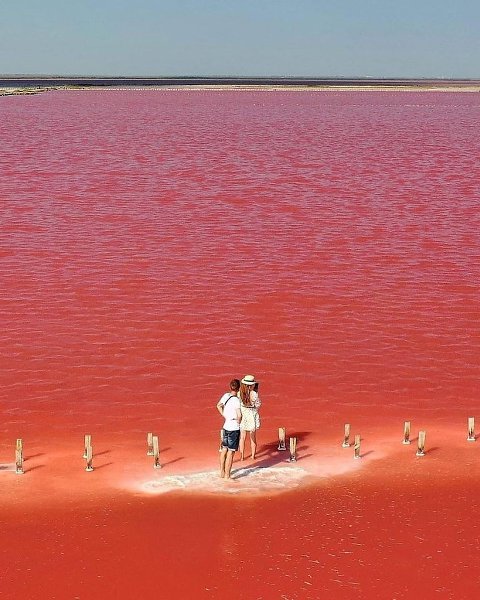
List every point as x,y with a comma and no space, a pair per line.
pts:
249,380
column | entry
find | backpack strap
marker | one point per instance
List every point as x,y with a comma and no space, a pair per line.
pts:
231,396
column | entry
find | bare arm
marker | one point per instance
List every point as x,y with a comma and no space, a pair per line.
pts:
239,415
255,400
220,408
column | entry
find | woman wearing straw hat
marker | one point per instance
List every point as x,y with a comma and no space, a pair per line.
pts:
249,405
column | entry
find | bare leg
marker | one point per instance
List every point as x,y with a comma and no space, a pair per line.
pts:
253,442
228,463
223,456
243,435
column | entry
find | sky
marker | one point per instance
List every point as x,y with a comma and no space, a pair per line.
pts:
349,38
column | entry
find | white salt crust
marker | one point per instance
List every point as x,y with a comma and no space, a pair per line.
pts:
244,481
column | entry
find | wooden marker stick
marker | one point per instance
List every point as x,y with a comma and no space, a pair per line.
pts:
19,457
346,436
87,442
156,453
281,439
149,444
356,447
421,443
406,432
471,429
293,449
89,457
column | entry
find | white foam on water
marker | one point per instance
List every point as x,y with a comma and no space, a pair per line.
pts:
246,480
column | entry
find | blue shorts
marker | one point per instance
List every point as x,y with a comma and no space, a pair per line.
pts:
230,439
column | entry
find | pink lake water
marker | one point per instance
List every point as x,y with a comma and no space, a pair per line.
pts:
154,244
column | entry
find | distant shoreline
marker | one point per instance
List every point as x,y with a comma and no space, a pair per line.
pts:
26,91
31,84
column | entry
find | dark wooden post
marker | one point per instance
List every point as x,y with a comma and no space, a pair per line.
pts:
421,443
87,442
346,436
406,433
156,453
149,444
293,449
19,457
356,447
471,429
281,438
89,457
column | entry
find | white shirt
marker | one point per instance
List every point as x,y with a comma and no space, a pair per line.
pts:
230,407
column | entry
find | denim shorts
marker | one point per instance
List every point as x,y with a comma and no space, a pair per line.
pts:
230,439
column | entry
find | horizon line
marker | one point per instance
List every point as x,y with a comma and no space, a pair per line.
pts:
238,77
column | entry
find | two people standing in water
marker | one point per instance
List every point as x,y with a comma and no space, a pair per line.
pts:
239,408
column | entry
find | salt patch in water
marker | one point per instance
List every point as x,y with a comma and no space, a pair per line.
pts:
246,480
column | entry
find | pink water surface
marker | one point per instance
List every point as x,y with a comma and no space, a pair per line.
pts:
153,244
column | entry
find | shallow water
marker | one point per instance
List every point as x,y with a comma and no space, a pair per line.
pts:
153,244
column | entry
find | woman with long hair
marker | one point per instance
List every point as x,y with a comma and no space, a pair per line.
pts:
249,405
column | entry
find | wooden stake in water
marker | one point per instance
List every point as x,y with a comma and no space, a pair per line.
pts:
149,444
356,447
281,439
471,429
421,443
346,436
156,453
87,442
293,449
19,457
89,458
406,433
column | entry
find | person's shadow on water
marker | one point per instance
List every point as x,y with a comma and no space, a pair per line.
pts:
270,456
